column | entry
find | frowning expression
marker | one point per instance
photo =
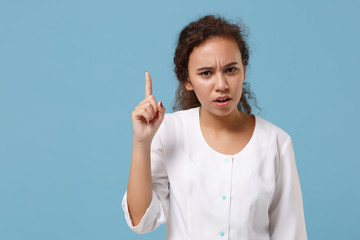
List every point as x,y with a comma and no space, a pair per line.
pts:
216,74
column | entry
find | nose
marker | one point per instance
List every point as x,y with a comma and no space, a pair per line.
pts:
221,83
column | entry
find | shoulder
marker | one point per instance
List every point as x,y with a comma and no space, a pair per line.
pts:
269,127
176,123
270,132
183,113
179,118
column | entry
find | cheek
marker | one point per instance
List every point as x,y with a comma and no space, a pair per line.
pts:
202,92
238,88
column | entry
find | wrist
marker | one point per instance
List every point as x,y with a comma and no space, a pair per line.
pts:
141,144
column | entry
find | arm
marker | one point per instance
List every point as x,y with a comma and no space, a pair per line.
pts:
286,212
156,213
140,202
139,190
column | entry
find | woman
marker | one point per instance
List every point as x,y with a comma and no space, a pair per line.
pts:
212,170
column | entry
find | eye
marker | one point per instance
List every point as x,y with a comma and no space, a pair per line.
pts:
231,70
206,73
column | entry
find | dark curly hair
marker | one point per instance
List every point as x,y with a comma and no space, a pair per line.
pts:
192,36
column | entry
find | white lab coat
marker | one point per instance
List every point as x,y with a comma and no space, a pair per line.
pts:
203,194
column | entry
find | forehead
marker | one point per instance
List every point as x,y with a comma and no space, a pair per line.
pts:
215,49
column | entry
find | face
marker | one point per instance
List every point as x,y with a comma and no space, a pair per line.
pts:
216,74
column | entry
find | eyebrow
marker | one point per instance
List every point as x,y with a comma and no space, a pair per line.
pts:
207,68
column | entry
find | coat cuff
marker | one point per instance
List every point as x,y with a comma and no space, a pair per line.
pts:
149,218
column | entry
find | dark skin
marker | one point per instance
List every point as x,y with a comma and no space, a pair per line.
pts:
217,72
233,138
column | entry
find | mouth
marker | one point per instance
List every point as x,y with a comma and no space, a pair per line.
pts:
222,100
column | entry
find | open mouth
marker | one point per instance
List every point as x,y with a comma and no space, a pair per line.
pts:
222,100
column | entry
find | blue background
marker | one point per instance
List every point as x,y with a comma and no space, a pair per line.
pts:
71,73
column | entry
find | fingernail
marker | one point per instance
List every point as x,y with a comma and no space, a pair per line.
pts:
151,121
161,104
157,114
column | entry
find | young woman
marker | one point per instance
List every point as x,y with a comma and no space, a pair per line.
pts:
212,170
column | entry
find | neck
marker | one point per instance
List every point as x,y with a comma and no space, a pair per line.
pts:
229,122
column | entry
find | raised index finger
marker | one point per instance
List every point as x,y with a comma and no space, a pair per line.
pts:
148,86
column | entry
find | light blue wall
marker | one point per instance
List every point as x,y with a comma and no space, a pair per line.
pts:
71,73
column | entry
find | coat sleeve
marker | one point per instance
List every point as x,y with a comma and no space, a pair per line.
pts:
287,221
157,211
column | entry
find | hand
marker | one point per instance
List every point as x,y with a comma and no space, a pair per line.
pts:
147,116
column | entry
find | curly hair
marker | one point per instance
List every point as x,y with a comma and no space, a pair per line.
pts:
192,36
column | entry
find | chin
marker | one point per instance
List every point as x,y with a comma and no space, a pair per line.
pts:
221,112
224,113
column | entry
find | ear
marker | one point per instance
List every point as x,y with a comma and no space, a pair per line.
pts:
188,85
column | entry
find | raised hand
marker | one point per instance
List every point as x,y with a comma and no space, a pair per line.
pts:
147,115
